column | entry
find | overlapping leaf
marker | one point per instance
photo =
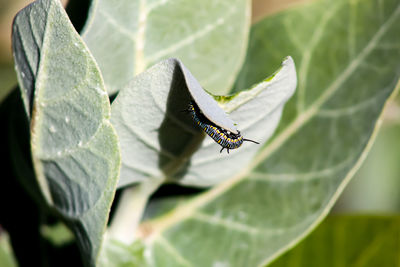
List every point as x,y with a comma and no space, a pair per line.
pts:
159,141
348,56
209,36
74,147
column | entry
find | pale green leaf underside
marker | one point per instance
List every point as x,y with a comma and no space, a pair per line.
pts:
366,241
159,141
348,58
74,147
209,36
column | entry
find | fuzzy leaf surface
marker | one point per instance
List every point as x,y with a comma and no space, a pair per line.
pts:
74,147
209,36
347,55
159,141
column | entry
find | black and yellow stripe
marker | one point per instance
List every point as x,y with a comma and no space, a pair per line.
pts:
223,137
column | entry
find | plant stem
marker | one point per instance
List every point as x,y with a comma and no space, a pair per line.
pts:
130,210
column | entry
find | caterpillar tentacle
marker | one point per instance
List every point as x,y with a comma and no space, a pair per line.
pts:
251,141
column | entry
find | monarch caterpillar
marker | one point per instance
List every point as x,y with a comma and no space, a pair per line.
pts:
225,138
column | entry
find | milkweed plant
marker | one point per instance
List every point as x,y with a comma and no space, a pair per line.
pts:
129,116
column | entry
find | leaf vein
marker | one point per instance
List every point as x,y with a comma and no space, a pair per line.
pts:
191,38
290,177
173,251
302,119
156,5
233,225
117,26
350,110
307,54
140,62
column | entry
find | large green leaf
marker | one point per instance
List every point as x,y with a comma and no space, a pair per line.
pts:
348,58
74,147
160,142
348,241
209,36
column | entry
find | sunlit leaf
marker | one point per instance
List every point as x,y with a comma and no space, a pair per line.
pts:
347,55
128,36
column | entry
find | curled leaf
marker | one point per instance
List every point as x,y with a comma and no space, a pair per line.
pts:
159,141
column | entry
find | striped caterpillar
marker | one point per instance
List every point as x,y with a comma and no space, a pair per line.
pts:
226,139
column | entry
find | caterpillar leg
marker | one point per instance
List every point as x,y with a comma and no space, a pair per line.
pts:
227,150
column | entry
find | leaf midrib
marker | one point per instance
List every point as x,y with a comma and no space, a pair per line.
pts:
37,163
206,29
140,62
307,55
184,211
